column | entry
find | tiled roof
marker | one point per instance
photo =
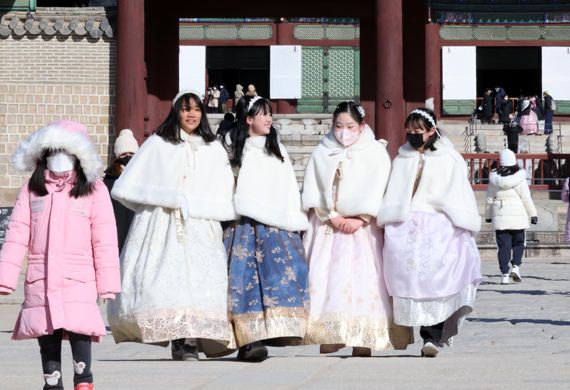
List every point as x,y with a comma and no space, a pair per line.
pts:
58,21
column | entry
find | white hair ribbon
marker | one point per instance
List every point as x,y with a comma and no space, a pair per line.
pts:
184,92
425,115
253,100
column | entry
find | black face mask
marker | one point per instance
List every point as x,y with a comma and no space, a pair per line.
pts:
416,140
124,160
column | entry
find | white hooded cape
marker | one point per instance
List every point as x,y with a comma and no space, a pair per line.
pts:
365,168
444,187
155,177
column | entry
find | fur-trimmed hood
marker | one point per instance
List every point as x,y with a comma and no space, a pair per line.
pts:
506,182
67,135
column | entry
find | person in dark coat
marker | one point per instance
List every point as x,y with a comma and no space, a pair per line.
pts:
225,124
125,147
505,110
487,107
548,112
512,131
499,96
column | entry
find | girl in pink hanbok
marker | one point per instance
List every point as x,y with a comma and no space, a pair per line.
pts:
430,217
344,183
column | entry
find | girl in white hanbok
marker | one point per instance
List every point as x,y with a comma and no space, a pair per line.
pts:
174,265
430,217
343,188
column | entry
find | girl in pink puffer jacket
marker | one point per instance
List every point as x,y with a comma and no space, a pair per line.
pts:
63,219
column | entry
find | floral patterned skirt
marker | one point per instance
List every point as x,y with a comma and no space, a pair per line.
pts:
268,283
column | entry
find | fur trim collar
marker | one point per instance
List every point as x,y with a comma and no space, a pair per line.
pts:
506,182
365,138
55,137
442,145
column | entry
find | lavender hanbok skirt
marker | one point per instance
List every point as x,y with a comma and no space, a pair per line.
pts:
432,270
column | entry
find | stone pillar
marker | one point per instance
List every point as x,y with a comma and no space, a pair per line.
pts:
131,84
390,107
433,66
284,36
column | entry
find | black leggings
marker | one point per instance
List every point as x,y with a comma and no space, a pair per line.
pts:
50,349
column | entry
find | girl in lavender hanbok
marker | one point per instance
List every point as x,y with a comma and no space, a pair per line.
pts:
268,292
430,217
343,188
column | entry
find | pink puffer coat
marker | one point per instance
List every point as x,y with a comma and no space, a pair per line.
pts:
72,257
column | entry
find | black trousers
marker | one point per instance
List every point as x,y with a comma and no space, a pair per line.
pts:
50,350
432,332
510,248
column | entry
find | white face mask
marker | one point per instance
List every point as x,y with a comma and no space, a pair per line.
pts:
61,162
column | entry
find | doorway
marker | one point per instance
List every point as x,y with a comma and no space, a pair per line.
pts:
516,69
231,65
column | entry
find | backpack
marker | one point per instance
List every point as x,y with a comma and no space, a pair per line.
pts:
553,105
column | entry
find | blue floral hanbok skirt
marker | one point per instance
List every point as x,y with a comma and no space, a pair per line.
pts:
268,283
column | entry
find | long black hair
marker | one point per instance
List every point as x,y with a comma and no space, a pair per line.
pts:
239,131
169,130
37,182
351,108
418,121
508,170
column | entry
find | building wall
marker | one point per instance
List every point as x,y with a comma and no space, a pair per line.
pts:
46,79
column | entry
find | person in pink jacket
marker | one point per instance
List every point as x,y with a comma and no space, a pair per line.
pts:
63,219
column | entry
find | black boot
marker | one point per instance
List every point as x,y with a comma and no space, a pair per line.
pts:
184,351
254,352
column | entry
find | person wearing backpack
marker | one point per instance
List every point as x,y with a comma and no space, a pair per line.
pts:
549,107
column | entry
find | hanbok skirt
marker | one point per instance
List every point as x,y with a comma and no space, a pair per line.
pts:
268,283
349,301
432,270
174,283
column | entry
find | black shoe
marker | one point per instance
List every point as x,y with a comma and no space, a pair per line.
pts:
183,351
254,352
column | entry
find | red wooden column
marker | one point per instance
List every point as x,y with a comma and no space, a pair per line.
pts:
131,84
284,32
433,65
390,107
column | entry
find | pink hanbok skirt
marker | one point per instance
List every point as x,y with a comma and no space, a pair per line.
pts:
349,301
529,123
432,270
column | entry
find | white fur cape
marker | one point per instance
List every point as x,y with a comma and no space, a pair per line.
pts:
155,177
267,190
443,187
55,137
365,171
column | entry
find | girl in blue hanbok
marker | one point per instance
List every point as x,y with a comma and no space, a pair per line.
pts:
268,285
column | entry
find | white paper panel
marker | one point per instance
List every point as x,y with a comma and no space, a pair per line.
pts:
459,72
285,72
192,68
556,72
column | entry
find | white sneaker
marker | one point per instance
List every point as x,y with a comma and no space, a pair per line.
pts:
516,274
430,349
505,279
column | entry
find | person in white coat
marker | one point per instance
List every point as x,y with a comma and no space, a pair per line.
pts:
343,188
431,262
173,264
509,206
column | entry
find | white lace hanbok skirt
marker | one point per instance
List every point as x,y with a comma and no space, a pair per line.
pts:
174,283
